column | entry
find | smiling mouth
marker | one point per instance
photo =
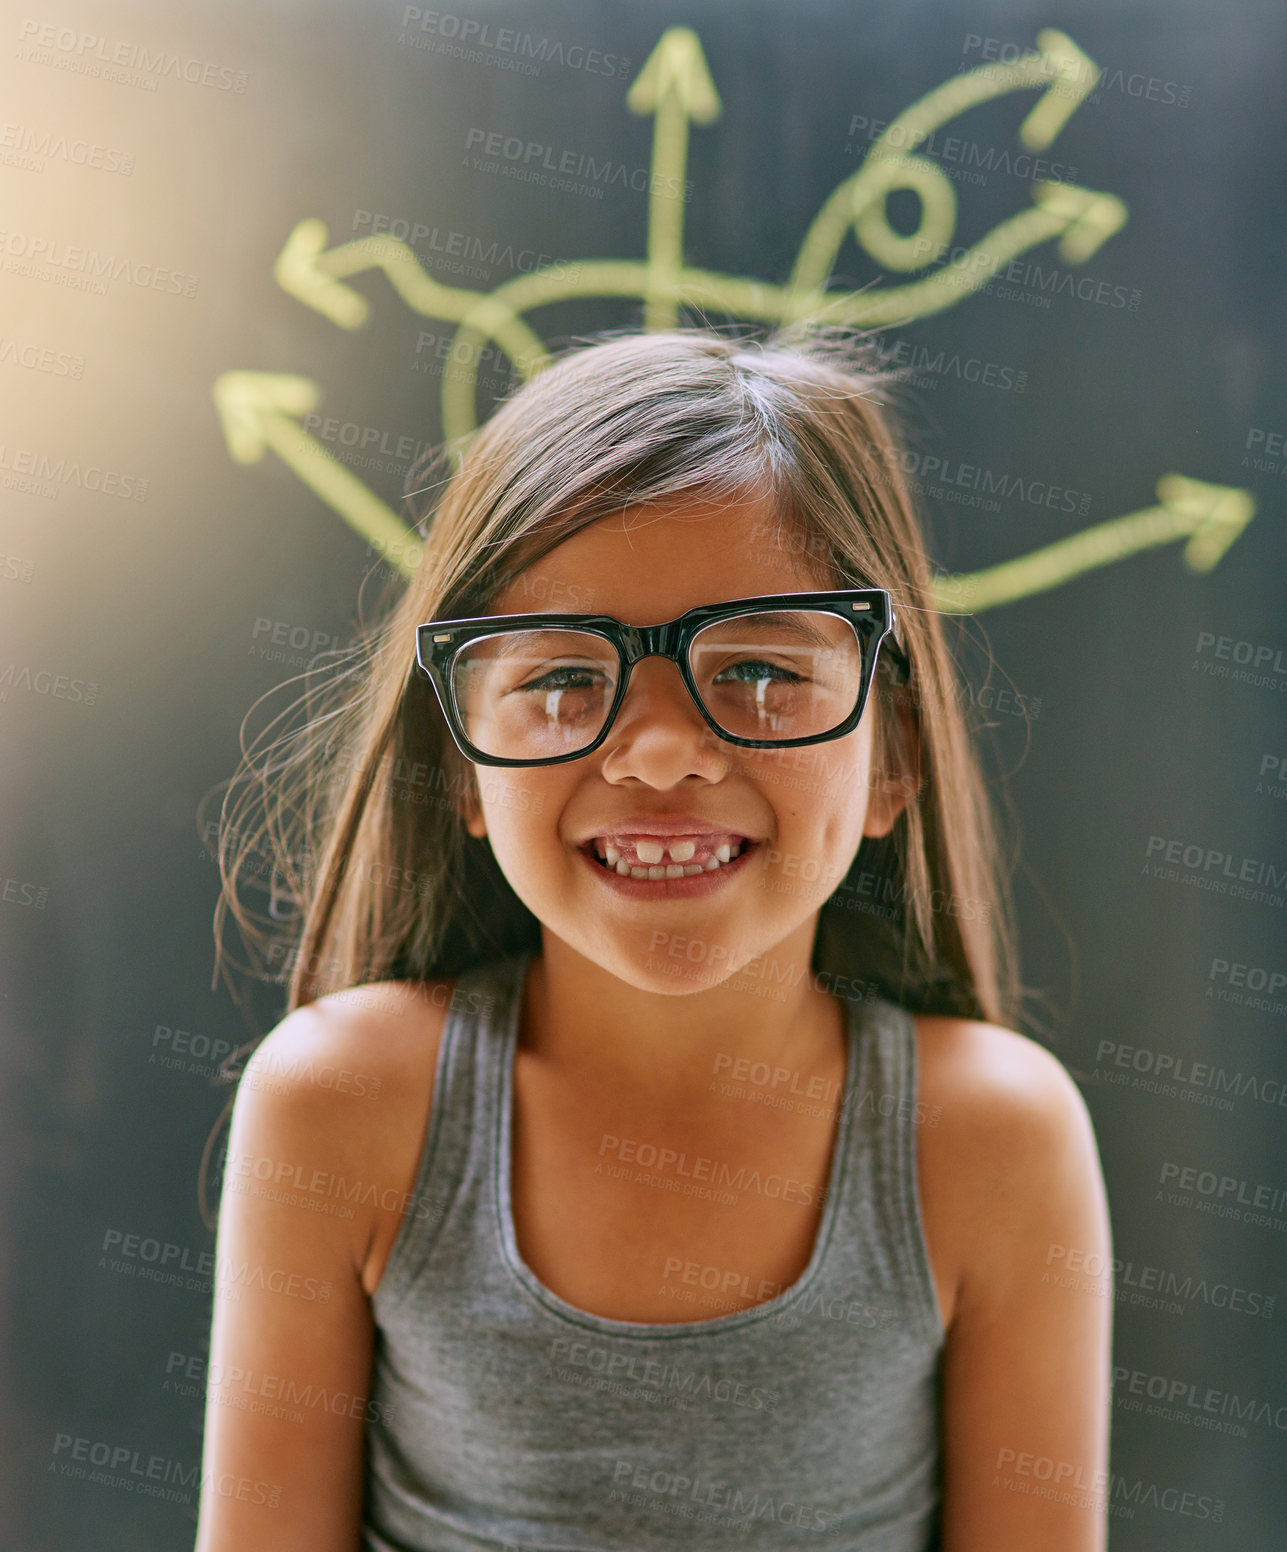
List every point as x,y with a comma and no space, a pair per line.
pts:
666,857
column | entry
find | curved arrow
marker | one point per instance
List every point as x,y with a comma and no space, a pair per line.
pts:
308,271
1080,218
675,85
891,162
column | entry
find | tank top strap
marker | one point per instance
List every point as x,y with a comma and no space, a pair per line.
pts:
455,1157
880,1236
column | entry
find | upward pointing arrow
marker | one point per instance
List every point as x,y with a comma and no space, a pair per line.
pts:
675,85
260,410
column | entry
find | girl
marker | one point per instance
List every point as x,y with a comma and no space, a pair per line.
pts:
646,1160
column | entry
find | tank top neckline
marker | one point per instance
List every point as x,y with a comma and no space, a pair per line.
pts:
502,1166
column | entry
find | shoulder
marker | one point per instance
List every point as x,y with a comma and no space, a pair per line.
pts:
349,1042
986,1075
343,1086
354,1055
1010,1162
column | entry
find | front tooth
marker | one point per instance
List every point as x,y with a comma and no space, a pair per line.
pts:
695,867
638,872
710,864
674,870
682,851
723,851
624,869
650,851
613,854
656,872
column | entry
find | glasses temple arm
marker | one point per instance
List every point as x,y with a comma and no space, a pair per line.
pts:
889,643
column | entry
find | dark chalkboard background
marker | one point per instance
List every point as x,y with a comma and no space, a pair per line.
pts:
189,145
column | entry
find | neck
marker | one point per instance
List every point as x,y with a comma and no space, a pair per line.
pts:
671,1050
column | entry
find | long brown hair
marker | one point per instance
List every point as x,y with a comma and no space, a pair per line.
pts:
355,810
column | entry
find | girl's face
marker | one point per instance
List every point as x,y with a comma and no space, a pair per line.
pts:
803,811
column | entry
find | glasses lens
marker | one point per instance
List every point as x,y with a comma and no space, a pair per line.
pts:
535,694
780,674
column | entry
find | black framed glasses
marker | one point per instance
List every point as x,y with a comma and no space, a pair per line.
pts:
770,672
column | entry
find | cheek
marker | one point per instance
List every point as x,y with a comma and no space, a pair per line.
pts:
826,797
520,815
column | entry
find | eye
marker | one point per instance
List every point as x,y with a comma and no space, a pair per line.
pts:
569,676
751,669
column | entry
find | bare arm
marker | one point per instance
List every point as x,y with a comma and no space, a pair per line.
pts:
1027,1366
292,1334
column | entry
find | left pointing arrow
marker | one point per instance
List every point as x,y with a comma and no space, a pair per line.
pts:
261,410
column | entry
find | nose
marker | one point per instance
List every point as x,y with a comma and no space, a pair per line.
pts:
659,728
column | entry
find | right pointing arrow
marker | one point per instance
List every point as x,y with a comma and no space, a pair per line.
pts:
1211,516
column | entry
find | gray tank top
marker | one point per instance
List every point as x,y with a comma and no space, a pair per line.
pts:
504,1418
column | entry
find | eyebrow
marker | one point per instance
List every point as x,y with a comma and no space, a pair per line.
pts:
794,621
515,646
